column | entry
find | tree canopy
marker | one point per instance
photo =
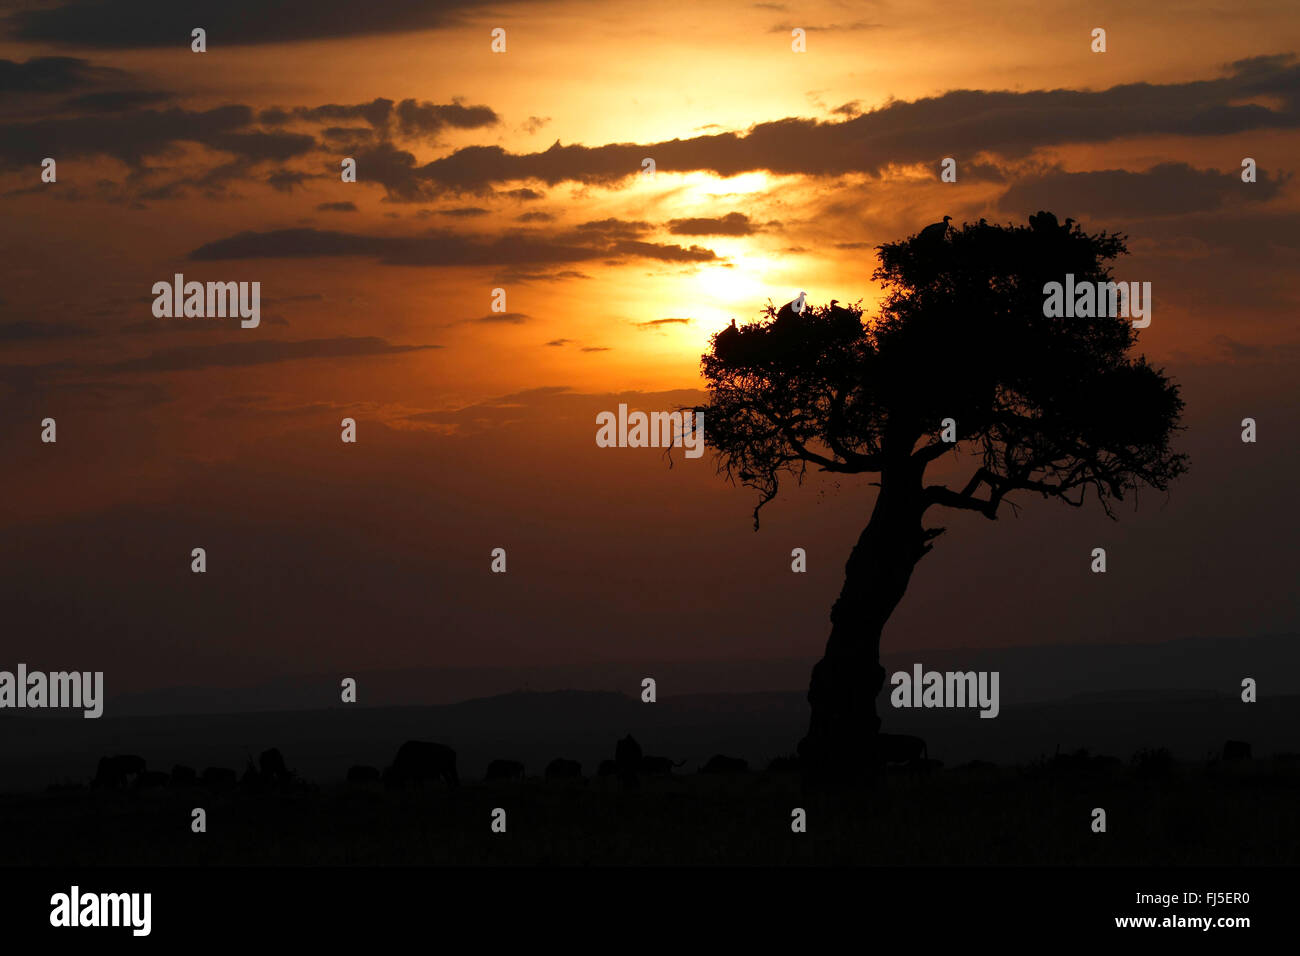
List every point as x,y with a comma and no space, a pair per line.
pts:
1051,405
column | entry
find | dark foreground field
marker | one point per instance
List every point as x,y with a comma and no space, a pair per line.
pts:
1173,814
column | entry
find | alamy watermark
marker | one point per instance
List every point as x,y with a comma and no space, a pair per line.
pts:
214,300
922,688
74,908
682,429
1092,300
78,690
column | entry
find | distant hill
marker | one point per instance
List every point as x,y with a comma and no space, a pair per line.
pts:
1027,674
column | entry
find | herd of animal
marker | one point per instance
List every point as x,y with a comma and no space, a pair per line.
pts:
421,762
124,771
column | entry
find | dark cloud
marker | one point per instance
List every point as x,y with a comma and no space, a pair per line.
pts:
502,318
535,217
1169,189
958,123
284,180
440,249
52,74
27,331
854,27
425,119
464,212
258,352
115,101
524,275
665,253
395,170
134,135
154,326
524,195
615,228
659,323
131,24
533,124
732,224
596,348
409,118
337,207
559,342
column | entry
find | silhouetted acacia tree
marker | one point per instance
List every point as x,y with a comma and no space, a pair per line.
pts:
1054,406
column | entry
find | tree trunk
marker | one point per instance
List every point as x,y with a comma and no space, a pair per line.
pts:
841,739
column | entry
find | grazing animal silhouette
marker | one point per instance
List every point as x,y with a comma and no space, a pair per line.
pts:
504,770
151,779
419,761
561,769
722,764
936,231
271,764
362,774
1235,750
627,755
184,775
658,765
219,778
251,778
112,772
900,748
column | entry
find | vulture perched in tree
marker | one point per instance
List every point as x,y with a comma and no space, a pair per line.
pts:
936,231
1043,221
793,308
726,341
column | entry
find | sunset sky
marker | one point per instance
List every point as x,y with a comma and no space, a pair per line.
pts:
776,172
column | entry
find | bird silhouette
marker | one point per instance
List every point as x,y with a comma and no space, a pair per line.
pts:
936,231
792,308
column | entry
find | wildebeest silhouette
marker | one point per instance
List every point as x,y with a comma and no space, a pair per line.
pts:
183,775
419,761
151,779
719,763
504,770
1235,750
271,765
561,769
900,748
113,772
1082,763
627,755
658,765
219,778
361,774
251,780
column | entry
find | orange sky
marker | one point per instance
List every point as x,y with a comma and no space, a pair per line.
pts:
840,147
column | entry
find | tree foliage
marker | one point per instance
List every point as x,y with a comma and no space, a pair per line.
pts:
1055,406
